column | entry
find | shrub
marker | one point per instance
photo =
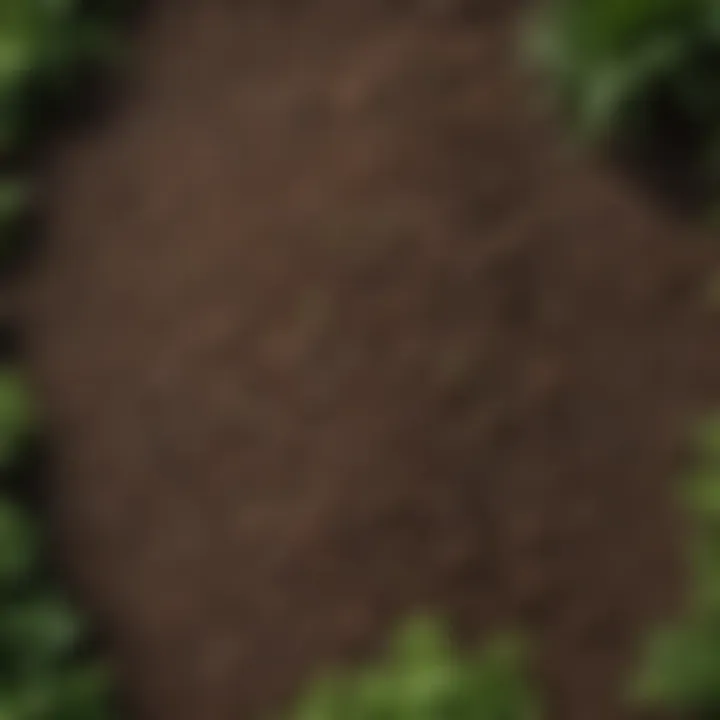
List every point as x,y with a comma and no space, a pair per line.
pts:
423,678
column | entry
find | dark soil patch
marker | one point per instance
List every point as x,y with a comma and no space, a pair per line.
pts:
330,327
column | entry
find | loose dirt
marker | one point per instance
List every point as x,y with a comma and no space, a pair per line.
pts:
331,324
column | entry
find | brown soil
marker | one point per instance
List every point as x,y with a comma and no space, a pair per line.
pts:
330,325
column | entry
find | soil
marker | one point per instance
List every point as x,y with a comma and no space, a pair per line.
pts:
332,324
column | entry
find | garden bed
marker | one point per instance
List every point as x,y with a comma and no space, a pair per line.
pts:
331,324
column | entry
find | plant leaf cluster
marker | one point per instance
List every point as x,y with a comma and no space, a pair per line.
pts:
636,73
47,669
424,677
47,47
50,50
680,663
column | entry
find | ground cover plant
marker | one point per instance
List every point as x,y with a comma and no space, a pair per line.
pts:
680,665
15,205
424,677
50,55
17,421
47,665
641,76
47,51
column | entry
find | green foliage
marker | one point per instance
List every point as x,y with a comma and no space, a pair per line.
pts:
17,418
680,665
78,693
46,672
18,547
424,678
45,49
37,633
682,668
48,48
14,202
625,69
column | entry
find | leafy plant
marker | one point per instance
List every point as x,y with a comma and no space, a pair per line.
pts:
17,418
46,47
424,678
46,672
18,547
680,664
37,633
77,693
634,72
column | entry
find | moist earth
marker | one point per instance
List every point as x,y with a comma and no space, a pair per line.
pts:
331,324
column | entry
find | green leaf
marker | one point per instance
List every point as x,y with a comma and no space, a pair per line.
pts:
420,640
707,440
17,57
423,677
38,634
324,700
501,688
620,67
17,417
19,544
82,693
705,574
703,493
681,669
85,693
